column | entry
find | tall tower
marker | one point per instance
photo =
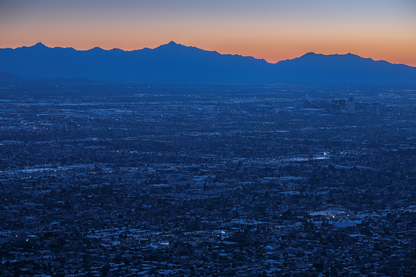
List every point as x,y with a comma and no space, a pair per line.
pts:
351,105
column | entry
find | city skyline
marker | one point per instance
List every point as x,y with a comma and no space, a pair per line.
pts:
270,30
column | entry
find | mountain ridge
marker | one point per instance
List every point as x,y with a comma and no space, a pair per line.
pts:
40,44
6,77
173,62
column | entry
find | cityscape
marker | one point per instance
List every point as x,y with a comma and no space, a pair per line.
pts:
206,180
186,138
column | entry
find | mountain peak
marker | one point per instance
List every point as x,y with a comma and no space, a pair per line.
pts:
311,55
39,45
171,45
316,55
96,49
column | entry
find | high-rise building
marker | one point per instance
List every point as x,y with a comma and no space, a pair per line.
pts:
376,109
351,105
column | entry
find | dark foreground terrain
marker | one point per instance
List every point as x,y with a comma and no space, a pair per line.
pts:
106,180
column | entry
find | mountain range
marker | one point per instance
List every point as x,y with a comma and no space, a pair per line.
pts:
176,63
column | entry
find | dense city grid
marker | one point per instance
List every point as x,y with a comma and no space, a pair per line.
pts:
230,180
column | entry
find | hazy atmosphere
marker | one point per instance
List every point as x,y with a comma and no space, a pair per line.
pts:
207,138
271,30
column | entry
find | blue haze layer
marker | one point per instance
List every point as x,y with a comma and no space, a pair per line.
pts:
175,63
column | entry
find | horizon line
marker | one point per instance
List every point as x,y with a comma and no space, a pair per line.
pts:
191,46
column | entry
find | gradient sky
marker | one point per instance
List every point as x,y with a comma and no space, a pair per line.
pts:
270,29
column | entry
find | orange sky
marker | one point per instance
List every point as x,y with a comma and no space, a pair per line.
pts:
272,30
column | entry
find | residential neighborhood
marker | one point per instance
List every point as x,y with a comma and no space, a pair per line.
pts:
193,180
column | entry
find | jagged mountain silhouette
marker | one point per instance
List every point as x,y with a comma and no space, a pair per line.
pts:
176,63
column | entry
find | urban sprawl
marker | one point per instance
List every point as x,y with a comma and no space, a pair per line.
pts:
215,180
